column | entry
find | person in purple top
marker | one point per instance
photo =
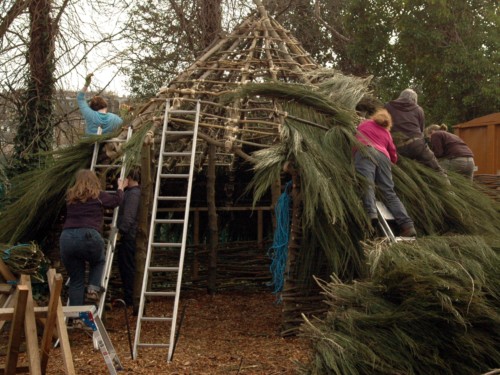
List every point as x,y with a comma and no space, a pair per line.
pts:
96,114
81,240
374,163
450,150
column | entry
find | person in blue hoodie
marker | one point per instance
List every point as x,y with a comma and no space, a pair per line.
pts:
96,113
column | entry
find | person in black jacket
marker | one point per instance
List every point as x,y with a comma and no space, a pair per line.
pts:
408,130
127,227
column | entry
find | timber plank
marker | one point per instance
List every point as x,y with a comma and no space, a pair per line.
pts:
46,344
5,272
62,330
20,303
30,332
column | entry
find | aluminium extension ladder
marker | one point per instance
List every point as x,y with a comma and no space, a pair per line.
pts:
161,247
113,232
99,334
384,215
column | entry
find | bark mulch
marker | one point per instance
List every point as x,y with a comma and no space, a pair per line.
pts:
233,332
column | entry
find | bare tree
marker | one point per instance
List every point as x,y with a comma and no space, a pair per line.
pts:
34,133
45,45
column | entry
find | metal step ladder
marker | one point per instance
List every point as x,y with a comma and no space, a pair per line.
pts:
157,247
99,334
384,215
113,231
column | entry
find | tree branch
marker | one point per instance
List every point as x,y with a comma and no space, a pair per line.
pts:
16,9
317,14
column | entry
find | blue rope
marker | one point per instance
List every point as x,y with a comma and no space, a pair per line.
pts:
7,252
279,250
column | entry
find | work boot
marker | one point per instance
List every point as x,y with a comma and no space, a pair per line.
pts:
408,231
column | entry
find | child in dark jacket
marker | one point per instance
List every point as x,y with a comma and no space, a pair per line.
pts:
127,226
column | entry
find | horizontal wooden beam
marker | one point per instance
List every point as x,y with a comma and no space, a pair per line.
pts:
7,313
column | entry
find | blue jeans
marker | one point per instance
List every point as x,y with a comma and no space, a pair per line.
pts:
78,246
377,170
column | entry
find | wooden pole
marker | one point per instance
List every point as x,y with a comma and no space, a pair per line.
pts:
143,220
46,344
260,229
293,244
62,331
5,272
196,243
15,330
213,233
30,330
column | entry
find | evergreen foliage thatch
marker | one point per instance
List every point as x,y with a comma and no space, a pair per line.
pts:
428,307
318,137
36,198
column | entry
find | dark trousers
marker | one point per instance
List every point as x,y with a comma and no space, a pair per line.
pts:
79,246
126,265
376,168
463,165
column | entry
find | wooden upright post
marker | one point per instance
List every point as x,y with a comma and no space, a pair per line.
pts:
62,331
30,330
15,330
50,323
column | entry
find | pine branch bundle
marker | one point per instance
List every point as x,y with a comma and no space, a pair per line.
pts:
428,307
133,147
25,259
36,198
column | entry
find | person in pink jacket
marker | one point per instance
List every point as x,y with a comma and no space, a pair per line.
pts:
374,163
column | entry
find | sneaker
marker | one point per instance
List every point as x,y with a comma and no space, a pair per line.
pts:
92,295
408,232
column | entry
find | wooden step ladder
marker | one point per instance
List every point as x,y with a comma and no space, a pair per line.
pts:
113,231
158,247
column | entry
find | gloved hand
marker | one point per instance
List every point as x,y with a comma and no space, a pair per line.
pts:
88,79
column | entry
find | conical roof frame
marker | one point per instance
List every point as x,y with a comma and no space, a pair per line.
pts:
259,49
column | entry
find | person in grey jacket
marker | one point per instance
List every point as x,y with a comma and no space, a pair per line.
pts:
127,227
408,130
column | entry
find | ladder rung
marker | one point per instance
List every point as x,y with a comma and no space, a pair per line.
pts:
163,269
114,140
169,221
171,198
176,175
174,153
152,345
189,111
166,244
184,132
155,319
160,294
